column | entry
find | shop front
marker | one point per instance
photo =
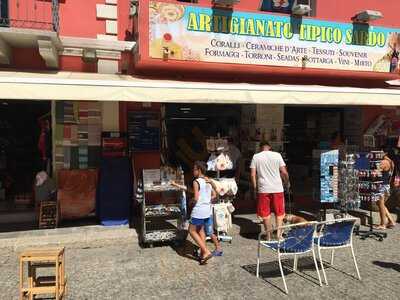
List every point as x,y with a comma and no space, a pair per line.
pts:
204,74
319,81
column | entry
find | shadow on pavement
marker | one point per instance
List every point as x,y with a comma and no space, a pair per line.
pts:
267,270
271,270
387,265
186,249
248,229
79,222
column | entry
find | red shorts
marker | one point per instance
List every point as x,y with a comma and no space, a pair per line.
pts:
268,200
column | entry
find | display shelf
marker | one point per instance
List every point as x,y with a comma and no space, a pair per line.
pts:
162,211
227,198
161,236
161,222
161,188
370,186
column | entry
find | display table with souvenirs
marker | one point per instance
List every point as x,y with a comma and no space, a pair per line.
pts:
163,206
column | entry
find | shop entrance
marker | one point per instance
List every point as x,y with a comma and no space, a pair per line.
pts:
309,129
189,126
20,158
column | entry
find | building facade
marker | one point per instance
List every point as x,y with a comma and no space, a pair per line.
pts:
133,55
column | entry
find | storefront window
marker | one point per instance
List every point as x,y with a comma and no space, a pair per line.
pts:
4,13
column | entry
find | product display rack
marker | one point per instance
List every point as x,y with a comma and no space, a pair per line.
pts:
222,236
349,195
370,182
161,222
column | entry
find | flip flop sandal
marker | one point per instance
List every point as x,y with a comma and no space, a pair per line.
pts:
380,227
205,259
390,226
217,253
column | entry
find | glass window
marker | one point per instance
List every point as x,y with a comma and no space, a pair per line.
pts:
4,13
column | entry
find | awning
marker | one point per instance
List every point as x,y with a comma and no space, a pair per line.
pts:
394,82
101,87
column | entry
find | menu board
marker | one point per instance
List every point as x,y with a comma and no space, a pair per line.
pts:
143,131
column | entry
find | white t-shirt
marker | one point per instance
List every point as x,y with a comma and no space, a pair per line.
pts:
202,209
267,164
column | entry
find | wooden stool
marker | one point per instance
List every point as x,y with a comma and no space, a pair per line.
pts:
48,214
45,285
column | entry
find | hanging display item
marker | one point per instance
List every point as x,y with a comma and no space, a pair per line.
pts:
370,186
226,186
329,176
349,196
77,135
218,160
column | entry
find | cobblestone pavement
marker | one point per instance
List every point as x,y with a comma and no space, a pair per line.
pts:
122,270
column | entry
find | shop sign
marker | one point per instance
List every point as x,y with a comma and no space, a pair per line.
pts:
202,34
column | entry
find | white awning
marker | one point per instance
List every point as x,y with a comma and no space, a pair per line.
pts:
100,87
395,82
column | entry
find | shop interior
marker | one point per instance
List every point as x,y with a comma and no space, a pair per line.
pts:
188,127
311,128
300,133
94,161
20,159
354,132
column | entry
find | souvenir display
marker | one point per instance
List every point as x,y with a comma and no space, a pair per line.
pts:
223,162
370,185
165,220
329,176
370,180
227,187
349,184
222,213
78,135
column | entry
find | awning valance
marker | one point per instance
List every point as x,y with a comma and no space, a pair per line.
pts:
103,87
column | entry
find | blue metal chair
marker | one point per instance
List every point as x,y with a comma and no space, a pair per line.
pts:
298,239
333,235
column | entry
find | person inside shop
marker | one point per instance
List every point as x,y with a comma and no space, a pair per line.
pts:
201,221
336,140
387,168
268,173
45,145
45,189
235,155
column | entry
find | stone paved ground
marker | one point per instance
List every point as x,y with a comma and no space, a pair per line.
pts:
120,269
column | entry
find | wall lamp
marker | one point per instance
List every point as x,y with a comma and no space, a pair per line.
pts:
224,3
89,56
367,16
300,9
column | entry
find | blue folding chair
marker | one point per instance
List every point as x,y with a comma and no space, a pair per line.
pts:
298,239
333,235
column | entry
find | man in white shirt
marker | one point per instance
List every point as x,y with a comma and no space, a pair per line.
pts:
267,172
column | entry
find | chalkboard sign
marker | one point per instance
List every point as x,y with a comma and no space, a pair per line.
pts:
143,131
